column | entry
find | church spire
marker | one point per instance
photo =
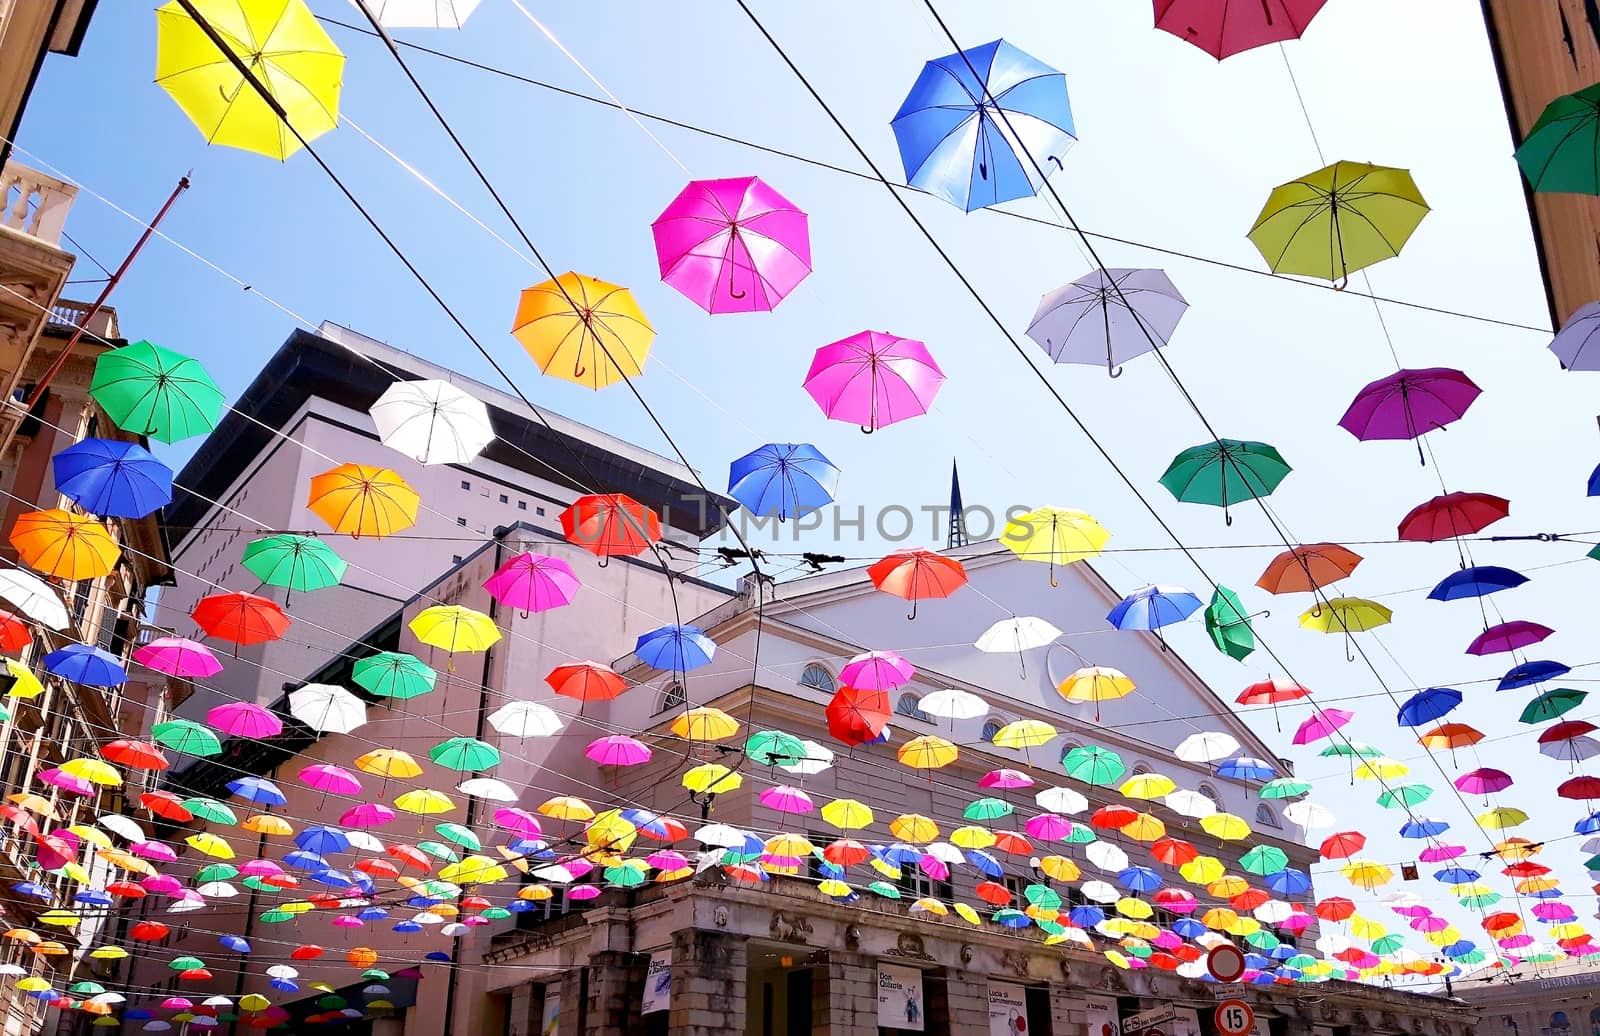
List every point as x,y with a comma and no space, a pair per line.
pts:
958,528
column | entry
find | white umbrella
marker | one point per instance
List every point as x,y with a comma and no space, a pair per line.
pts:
1108,317
1273,911
1309,815
953,704
487,788
34,598
363,840
432,421
327,709
817,759
1189,803
1193,969
420,14
125,826
454,928
218,1001
1106,856
283,971
944,852
525,719
1100,891
217,890
1332,942
1019,634
1206,746
721,835
1061,800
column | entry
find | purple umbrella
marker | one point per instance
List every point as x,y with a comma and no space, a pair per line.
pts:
533,583
733,245
1508,636
1572,343
873,379
1408,404
1483,781
1109,317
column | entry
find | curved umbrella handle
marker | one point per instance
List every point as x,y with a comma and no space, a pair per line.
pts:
867,429
1115,372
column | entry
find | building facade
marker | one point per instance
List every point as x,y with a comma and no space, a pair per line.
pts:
1552,1000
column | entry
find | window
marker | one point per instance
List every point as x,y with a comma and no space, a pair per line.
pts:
1140,769
1015,885
818,678
916,884
1265,815
461,521
465,484
455,559
1209,792
522,505
504,499
539,511
671,698
991,727
907,706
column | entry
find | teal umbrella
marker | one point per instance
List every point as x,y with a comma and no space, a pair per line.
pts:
465,754
394,674
1284,788
1092,764
987,809
1224,472
1402,796
460,835
1264,859
1551,704
187,736
1561,154
211,810
774,748
297,563
152,391
1228,625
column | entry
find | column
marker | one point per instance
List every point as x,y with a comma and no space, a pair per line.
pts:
523,1011
709,974
615,982
967,1001
1067,1016
851,991
574,997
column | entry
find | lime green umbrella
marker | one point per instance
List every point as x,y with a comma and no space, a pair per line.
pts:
438,850
1558,155
1404,795
1264,859
1551,704
5,714
216,872
1092,764
1228,625
987,809
86,988
1300,961
465,754
884,889
211,810
1224,472
394,674
1284,788
297,563
187,736
153,391
462,836
774,748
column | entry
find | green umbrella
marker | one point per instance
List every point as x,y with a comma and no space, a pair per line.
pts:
1559,153
1592,863
1080,834
5,714
438,851
884,889
153,391
495,914
465,754
1355,749
1551,704
987,809
378,973
294,562
187,736
1473,956
1263,940
1388,944
1480,900
216,872
211,810
258,885
1264,859
186,963
1043,896
275,916
1284,788
1094,765
626,877
462,836
1050,927
394,674
1594,552
1229,625
1404,795
436,889
1224,472
332,1002
1300,961
773,748
1005,914
87,988
1140,950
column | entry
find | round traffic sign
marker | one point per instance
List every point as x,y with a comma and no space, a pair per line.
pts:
1234,1018
1225,962
1154,1032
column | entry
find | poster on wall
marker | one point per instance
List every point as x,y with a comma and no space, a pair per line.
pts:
658,983
550,1020
1008,1009
900,998
1100,1016
1185,1022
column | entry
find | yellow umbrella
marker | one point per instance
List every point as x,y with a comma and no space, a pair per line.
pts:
1531,886
834,887
284,47
1024,733
1243,926
1366,928
1337,220
968,914
95,771
1095,684
1513,849
1056,535
789,845
705,724
913,827
888,870
927,752
928,905
363,501
211,845
1367,874
846,814
1218,917
108,953
1148,786
23,683
452,628
34,804
268,824
610,830
565,807
584,330
1202,869
124,860
1381,769
425,802
63,544
1502,817
712,778
388,762
33,984
1128,906
1346,615
92,835
254,1002
1227,886
59,918
1145,828
972,837
1060,868
1225,826
474,870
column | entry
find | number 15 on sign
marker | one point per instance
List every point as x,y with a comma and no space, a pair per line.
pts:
1235,1018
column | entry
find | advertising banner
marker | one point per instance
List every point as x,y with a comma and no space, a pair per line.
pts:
900,998
1008,1009
658,983
1100,1013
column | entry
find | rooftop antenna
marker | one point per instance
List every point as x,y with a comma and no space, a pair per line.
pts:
958,527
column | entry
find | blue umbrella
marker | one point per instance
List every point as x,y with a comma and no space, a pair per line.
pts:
1245,768
1258,961
1266,978
883,738
1459,948
1187,928
1529,673
1288,882
1588,825
675,648
953,134
331,878
1476,582
87,665
899,854
1594,482
517,906
1152,607
360,880
1139,879
107,477
92,897
305,860
985,862
784,479
1423,827
1011,918
1284,952
289,985
1427,706
1543,894
373,913
1086,916
438,956
648,822
531,848
258,789
236,943
323,840
34,889
1456,875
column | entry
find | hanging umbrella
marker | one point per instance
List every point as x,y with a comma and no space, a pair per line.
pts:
1247,768
1483,781
618,750
388,762
1558,154
783,479
245,719
1403,796
1529,673
15,635
1346,615
393,674
178,657
917,574
432,422
1307,568
327,709
978,127
1224,472
112,478
857,716
1228,625
676,649
525,719
873,379
1571,343
1408,404
583,330
610,524
732,245
1223,30
1508,636
59,543
1452,515
1552,704
1337,220
586,681
148,390
465,754
85,664
1109,316
186,736
1094,765
1206,746
1321,725
1450,736
240,617
1095,684
927,753
1427,705
1152,607
421,14
297,563
704,724
363,501
1017,634
1479,581
452,628
1054,535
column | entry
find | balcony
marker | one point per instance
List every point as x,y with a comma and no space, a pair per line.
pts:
33,268
36,204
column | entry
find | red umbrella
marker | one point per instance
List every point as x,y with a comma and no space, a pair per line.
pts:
411,856
1304,568
240,617
149,931
1223,29
1013,843
1343,845
856,716
14,633
918,574
1581,788
1174,852
1249,899
608,524
1526,869
845,852
378,868
139,754
586,681
1113,818
165,804
1335,908
1566,731
310,951
1272,692
126,889
1454,514
993,892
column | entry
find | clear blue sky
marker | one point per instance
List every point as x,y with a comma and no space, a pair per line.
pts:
1175,150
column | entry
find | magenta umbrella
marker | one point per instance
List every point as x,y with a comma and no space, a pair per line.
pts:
873,379
1409,403
245,719
65,781
368,814
330,779
876,671
154,851
1483,781
260,868
178,656
161,885
533,583
667,860
348,921
1005,779
733,245
785,799
1508,636
617,750
519,821
1048,826
1441,853
1322,725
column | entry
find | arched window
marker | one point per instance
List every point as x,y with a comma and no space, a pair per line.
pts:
907,706
817,677
1209,792
1558,1021
1594,1021
671,698
991,727
1265,815
1139,769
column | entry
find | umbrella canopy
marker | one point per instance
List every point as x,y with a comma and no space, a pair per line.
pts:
297,563
465,754
1228,625
1152,607
1409,403
1558,154
927,752
857,716
327,709
873,379
917,574
187,736
1527,674
533,583
1572,343
1019,634
1427,705
1321,725
783,479
432,422
85,664
1109,316
583,330
1223,30
1337,220
732,245
525,719
363,501
586,681
240,617
1224,472
452,628
1508,636
978,127
1306,568
1478,581
33,598
1346,615
113,478
148,390
1552,704
677,649
1452,515
610,524
60,543
245,719
393,674
1054,535
1095,684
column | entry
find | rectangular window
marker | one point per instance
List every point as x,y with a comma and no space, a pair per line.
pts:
539,511
504,499
465,484
522,505
461,521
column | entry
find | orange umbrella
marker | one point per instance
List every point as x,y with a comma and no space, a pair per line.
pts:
584,330
917,574
1308,567
363,501
59,543
1451,736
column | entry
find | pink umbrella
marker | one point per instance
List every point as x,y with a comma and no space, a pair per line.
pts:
57,849
876,671
667,860
1441,853
617,750
578,868
1483,781
1005,779
1297,922
245,719
154,851
334,780
1554,911
1322,725
1167,940
1431,923
934,867
785,799
1409,403
260,869
1508,636
348,921
533,583
177,1003
583,892
178,656
1516,942
477,922
162,885
1411,909
1583,950
733,245
873,379
368,814
518,821
1048,826
65,781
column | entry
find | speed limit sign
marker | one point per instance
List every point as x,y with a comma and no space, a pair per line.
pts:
1235,1018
